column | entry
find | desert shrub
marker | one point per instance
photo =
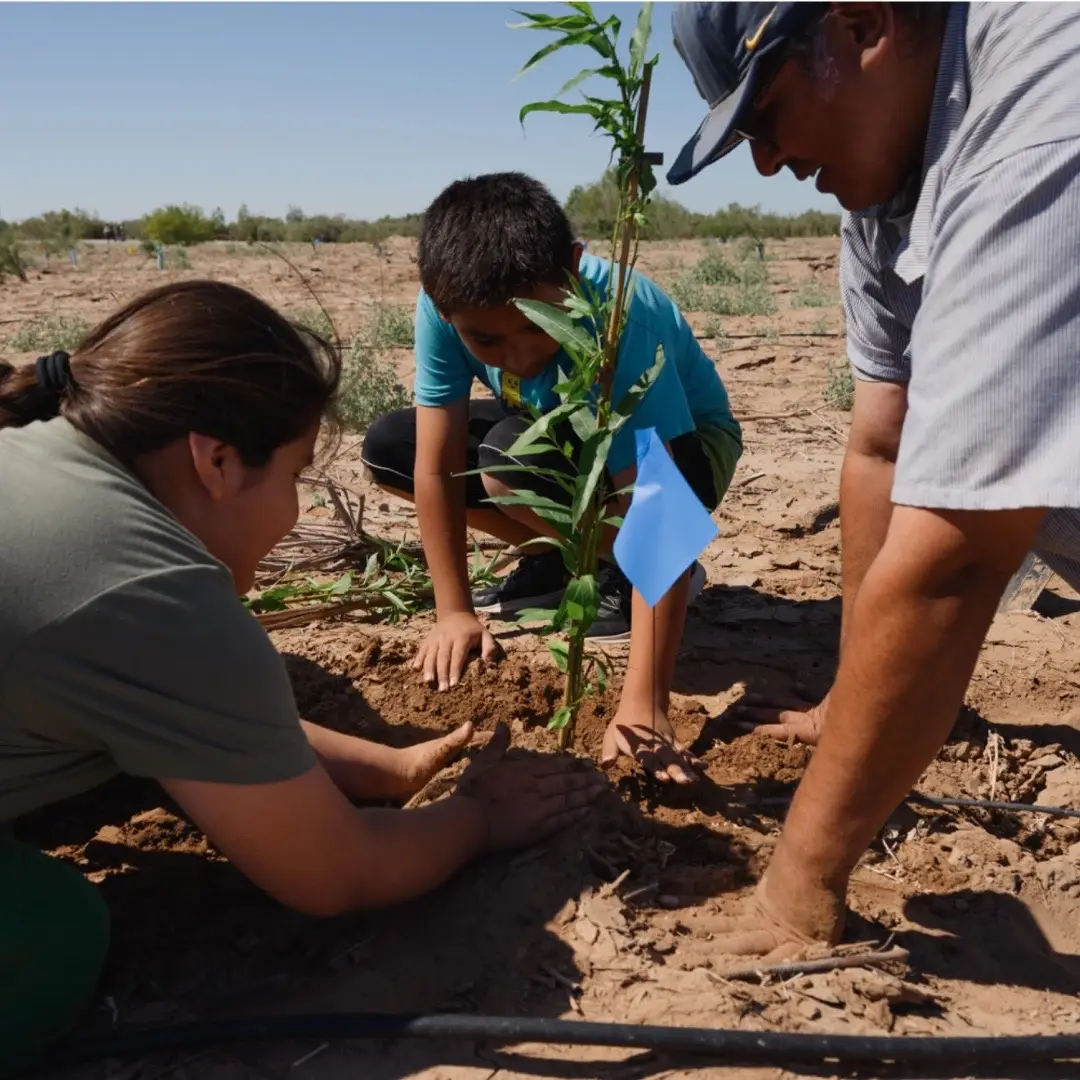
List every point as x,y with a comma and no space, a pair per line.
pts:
840,387
12,261
316,320
185,224
48,333
714,269
177,258
62,228
369,387
390,327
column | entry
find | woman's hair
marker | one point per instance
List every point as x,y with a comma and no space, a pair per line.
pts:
196,356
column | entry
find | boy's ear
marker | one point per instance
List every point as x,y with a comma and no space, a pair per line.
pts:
576,252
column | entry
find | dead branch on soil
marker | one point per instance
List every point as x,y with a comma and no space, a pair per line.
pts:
782,333
810,967
773,416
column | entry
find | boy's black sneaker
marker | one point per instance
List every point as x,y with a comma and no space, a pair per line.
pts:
612,621
616,593
538,581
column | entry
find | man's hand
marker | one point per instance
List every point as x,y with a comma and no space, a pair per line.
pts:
527,800
782,717
648,738
445,651
783,917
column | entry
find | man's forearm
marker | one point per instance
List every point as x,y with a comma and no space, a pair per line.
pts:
440,511
865,511
914,638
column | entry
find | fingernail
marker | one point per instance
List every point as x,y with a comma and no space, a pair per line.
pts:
453,683
442,686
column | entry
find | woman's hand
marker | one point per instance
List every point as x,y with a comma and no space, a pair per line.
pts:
526,800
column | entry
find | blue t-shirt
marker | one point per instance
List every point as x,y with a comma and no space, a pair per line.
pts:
687,394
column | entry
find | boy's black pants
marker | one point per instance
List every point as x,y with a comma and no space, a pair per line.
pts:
390,453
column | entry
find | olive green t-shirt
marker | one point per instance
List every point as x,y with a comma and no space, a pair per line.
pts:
123,645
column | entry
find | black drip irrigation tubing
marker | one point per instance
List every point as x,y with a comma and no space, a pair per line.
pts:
765,1047
967,804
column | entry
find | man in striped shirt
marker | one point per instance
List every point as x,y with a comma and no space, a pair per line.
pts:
950,133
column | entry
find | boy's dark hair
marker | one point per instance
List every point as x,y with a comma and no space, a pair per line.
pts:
489,239
195,356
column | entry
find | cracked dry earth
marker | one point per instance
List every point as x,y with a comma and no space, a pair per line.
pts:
614,921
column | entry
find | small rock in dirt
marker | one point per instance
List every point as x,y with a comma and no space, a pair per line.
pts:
807,1009
1047,761
792,562
587,931
748,549
818,988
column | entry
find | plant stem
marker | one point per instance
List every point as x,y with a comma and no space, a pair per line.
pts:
611,341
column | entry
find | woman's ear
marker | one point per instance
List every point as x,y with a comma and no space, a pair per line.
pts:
217,465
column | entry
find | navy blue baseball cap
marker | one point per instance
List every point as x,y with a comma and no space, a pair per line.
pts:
724,46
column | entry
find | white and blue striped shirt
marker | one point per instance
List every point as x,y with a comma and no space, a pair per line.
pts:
968,290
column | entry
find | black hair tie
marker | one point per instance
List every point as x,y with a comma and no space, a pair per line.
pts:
53,372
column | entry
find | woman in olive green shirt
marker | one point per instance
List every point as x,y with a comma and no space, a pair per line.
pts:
143,479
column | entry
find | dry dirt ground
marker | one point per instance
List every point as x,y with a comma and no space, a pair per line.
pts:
987,904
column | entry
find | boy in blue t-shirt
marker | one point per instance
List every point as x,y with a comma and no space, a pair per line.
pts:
485,242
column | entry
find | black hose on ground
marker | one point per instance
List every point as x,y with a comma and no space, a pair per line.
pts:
918,799
762,1047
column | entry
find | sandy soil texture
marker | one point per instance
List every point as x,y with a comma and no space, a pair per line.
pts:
987,904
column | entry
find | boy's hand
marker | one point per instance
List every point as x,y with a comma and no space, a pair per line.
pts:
527,800
647,737
445,651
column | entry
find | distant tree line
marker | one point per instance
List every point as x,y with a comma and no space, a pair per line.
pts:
591,209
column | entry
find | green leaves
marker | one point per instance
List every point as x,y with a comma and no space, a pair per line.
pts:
632,398
560,719
639,40
557,323
594,455
588,327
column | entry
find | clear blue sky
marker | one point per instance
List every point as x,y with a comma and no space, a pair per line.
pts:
364,109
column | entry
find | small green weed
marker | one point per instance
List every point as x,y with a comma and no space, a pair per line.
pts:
714,329
840,387
49,333
369,387
813,296
820,326
176,258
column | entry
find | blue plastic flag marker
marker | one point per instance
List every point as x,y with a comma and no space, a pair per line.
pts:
666,527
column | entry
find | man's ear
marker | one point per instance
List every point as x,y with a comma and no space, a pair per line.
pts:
867,30
217,465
